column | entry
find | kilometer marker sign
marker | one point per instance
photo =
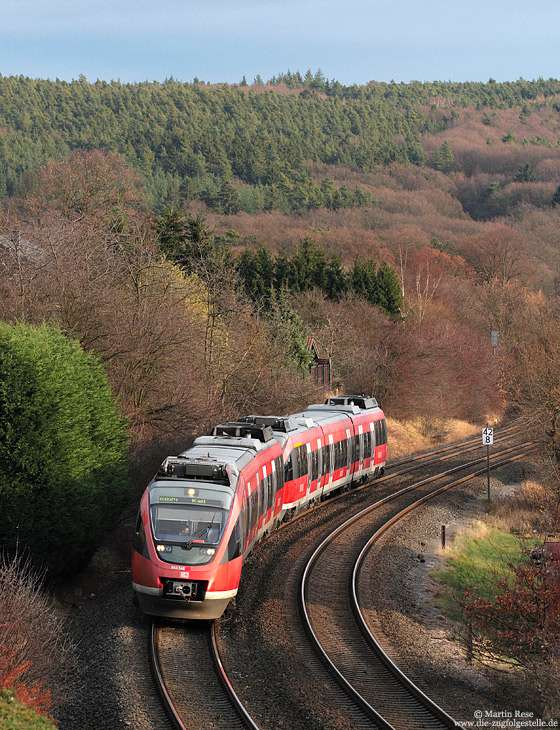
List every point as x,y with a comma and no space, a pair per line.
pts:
487,436
488,440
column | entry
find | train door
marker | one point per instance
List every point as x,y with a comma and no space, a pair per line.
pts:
349,457
331,459
360,454
265,496
318,465
259,500
309,469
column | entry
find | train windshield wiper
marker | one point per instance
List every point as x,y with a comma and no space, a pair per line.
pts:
198,534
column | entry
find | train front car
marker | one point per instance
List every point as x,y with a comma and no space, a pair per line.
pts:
185,561
195,519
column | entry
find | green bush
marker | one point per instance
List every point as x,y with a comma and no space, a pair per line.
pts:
14,715
63,446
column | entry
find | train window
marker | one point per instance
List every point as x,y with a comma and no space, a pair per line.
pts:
314,465
234,545
268,494
326,460
384,431
295,463
299,461
302,460
279,474
263,498
139,522
356,455
289,469
254,505
341,454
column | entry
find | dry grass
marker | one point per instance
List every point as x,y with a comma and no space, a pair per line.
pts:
34,645
420,434
528,509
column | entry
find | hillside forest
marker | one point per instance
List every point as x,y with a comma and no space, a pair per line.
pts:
194,236
191,239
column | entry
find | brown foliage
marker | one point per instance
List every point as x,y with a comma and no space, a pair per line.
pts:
115,294
520,627
431,368
497,255
85,182
36,655
422,271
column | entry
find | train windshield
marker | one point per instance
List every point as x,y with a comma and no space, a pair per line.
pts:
187,525
192,519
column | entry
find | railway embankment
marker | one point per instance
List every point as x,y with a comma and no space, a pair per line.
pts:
421,611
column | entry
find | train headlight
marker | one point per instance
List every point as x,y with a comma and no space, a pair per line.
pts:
211,551
160,548
191,492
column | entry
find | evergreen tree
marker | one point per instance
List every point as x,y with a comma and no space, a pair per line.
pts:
307,267
380,287
257,274
526,173
288,329
389,287
335,279
227,201
63,449
171,231
443,158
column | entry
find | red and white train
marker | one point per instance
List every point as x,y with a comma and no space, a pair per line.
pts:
205,509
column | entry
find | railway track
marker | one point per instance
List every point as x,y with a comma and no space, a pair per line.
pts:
191,679
199,694
337,626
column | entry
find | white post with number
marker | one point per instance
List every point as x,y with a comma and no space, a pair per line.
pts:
488,440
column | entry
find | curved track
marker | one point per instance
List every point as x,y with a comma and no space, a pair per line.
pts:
337,627
190,676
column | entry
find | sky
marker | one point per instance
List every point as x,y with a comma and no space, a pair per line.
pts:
352,41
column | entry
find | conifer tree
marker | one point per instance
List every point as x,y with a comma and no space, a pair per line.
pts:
63,449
